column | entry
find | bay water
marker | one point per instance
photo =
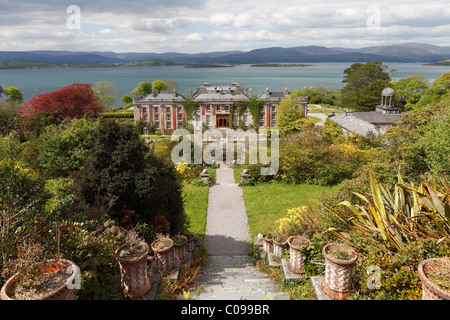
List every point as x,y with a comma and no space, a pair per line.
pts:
329,75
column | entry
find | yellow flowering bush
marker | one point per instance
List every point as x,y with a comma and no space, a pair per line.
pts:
349,151
181,167
26,171
188,171
298,221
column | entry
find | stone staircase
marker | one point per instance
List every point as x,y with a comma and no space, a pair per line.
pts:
236,278
228,272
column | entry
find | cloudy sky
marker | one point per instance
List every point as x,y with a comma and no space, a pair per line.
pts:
218,25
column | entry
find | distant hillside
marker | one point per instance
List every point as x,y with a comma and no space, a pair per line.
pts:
57,57
409,52
19,64
439,63
26,64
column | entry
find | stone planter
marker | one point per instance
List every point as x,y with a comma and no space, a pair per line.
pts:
63,292
244,176
205,176
279,241
337,282
430,290
267,242
179,248
162,248
296,258
190,244
134,278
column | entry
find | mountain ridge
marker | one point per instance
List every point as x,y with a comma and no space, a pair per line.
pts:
405,52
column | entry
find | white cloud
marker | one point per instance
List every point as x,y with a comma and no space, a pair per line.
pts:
159,26
195,37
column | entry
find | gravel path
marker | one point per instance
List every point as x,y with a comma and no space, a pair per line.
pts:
229,273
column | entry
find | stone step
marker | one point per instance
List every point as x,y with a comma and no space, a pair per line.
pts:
236,278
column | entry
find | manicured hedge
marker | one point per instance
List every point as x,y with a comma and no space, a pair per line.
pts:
118,114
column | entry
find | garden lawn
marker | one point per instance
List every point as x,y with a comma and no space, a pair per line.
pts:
269,202
314,119
195,205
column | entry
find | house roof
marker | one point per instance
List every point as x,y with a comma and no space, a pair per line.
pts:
363,123
220,93
163,97
378,117
277,95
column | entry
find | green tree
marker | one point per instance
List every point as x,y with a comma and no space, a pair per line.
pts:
127,99
439,91
14,94
419,144
131,184
314,95
159,85
289,116
8,112
410,90
106,93
171,85
65,147
363,85
144,88
22,197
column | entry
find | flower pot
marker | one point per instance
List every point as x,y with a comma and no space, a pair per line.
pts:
179,248
296,256
64,291
190,245
134,278
338,282
163,254
279,241
267,242
431,291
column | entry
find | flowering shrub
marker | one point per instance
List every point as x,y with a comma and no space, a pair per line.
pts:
188,172
298,221
69,102
22,197
308,157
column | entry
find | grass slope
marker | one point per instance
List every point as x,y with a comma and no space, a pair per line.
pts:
267,203
196,204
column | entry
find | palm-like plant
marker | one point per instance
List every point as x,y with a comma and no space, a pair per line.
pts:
395,218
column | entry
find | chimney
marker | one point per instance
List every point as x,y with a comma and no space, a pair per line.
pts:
286,91
175,92
251,92
190,93
267,90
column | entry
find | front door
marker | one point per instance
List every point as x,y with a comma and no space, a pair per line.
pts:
222,121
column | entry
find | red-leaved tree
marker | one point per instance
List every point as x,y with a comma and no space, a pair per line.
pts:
69,102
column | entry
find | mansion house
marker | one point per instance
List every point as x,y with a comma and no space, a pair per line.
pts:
165,111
